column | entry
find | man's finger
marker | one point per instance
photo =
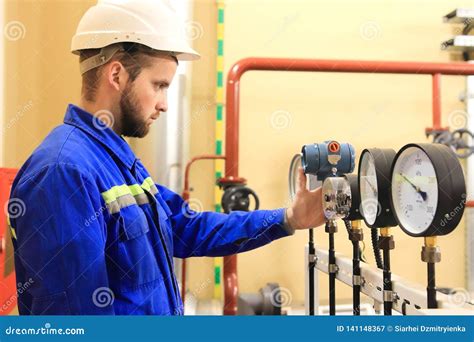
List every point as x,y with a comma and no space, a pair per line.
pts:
301,180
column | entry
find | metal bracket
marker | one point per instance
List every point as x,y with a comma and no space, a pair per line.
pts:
388,296
312,258
333,268
357,280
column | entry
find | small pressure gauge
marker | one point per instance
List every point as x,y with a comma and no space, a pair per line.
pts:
336,198
374,187
341,198
428,189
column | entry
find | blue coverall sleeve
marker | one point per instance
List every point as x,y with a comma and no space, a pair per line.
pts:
60,243
217,234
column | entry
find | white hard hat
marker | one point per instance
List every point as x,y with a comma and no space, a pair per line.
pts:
152,23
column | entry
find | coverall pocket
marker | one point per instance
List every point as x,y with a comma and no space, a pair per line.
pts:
133,223
55,304
134,261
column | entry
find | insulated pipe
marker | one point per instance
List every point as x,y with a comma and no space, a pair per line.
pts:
311,65
185,196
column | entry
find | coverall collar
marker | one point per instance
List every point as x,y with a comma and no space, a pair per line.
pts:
84,120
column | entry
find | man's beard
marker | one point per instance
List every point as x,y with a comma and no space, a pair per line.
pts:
132,124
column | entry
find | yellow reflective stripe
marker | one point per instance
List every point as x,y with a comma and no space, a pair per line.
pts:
114,192
10,226
13,232
147,184
136,189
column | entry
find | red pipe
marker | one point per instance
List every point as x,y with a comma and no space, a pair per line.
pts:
185,196
311,65
437,102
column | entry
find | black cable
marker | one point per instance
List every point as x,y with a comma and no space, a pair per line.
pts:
374,236
332,276
311,266
356,252
387,278
348,225
431,289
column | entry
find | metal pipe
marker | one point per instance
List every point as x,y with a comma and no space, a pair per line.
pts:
436,102
309,65
185,196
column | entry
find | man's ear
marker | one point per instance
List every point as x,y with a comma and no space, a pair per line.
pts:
117,75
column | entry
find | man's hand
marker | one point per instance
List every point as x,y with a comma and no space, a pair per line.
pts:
306,211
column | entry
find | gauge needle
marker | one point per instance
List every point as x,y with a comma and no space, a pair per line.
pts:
371,185
423,194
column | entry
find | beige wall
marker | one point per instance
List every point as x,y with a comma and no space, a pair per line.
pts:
41,77
366,110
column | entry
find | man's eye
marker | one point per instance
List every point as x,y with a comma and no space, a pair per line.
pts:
160,85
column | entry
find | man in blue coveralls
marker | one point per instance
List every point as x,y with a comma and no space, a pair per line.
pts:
95,224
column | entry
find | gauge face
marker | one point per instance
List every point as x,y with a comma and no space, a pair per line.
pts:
414,190
336,198
368,188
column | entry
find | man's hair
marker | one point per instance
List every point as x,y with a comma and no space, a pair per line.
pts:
134,57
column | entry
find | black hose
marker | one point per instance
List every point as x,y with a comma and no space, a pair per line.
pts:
374,236
311,266
387,280
332,276
431,289
348,225
356,252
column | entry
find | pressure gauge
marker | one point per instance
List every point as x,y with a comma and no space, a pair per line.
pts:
354,213
374,187
341,198
336,198
428,189
311,181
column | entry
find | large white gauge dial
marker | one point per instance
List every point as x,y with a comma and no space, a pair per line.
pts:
414,190
428,189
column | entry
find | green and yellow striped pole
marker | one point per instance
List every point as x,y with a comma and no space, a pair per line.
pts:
219,131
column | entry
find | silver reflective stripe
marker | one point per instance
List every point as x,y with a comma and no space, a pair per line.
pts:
153,189
125,201
121,196
141,199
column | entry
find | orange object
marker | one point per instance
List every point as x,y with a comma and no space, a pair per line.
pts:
8,294
334,146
